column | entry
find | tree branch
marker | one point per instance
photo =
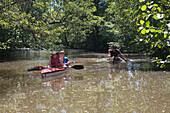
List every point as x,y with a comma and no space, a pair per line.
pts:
62,20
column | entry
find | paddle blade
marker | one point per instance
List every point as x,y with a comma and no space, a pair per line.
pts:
32,69
36,68
78,67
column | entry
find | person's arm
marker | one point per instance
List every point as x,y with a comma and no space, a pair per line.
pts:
109,54
121,56
61,61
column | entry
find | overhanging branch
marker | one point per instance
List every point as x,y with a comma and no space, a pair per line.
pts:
62,20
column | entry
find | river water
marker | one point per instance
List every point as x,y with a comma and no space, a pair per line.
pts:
101,87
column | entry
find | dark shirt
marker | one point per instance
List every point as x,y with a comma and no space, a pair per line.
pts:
115,54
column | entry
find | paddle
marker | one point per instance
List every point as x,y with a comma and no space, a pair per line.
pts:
41,67
36,68
78,61
77,67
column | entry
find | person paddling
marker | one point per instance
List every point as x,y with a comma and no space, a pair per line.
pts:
55,60
64,59
115,54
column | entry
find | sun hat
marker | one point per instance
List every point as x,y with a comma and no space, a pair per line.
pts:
54,53
61,51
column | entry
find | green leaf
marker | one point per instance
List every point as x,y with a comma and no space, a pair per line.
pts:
156,36
167,57
143,8
140,0
137,23
144,15
153,8
165,35
147,3
159,31
143,31
148,24
162,65
159,9
156,5
155,17
152,30
152,45
146,41
147,31
142,22
159,46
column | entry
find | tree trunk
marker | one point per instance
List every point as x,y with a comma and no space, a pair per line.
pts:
96,32
66,40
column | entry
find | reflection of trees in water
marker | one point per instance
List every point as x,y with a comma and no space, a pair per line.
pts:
114,69
78,77
59,83
133,93
90,96
142,92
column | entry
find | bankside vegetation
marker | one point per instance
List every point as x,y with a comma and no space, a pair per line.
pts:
136,26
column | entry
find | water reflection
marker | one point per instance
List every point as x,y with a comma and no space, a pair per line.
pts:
114,69
101,87
58,83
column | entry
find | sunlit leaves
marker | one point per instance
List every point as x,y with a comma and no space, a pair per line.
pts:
165,35
156,5
147,30
25,22
155,26
43,18
142,22
123,23
143,31
153,30
143,8
140,0
148,24
159,9
155,17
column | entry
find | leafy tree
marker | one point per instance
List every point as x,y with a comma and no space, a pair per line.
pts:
22,22
120,21
153,21
47,22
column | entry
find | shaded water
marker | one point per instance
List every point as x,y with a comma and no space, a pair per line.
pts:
99,88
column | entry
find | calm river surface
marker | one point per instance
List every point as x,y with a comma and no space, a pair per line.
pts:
102,87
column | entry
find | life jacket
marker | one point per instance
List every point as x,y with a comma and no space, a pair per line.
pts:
65,59
55,62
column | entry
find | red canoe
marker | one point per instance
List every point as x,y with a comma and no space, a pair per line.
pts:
53,71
